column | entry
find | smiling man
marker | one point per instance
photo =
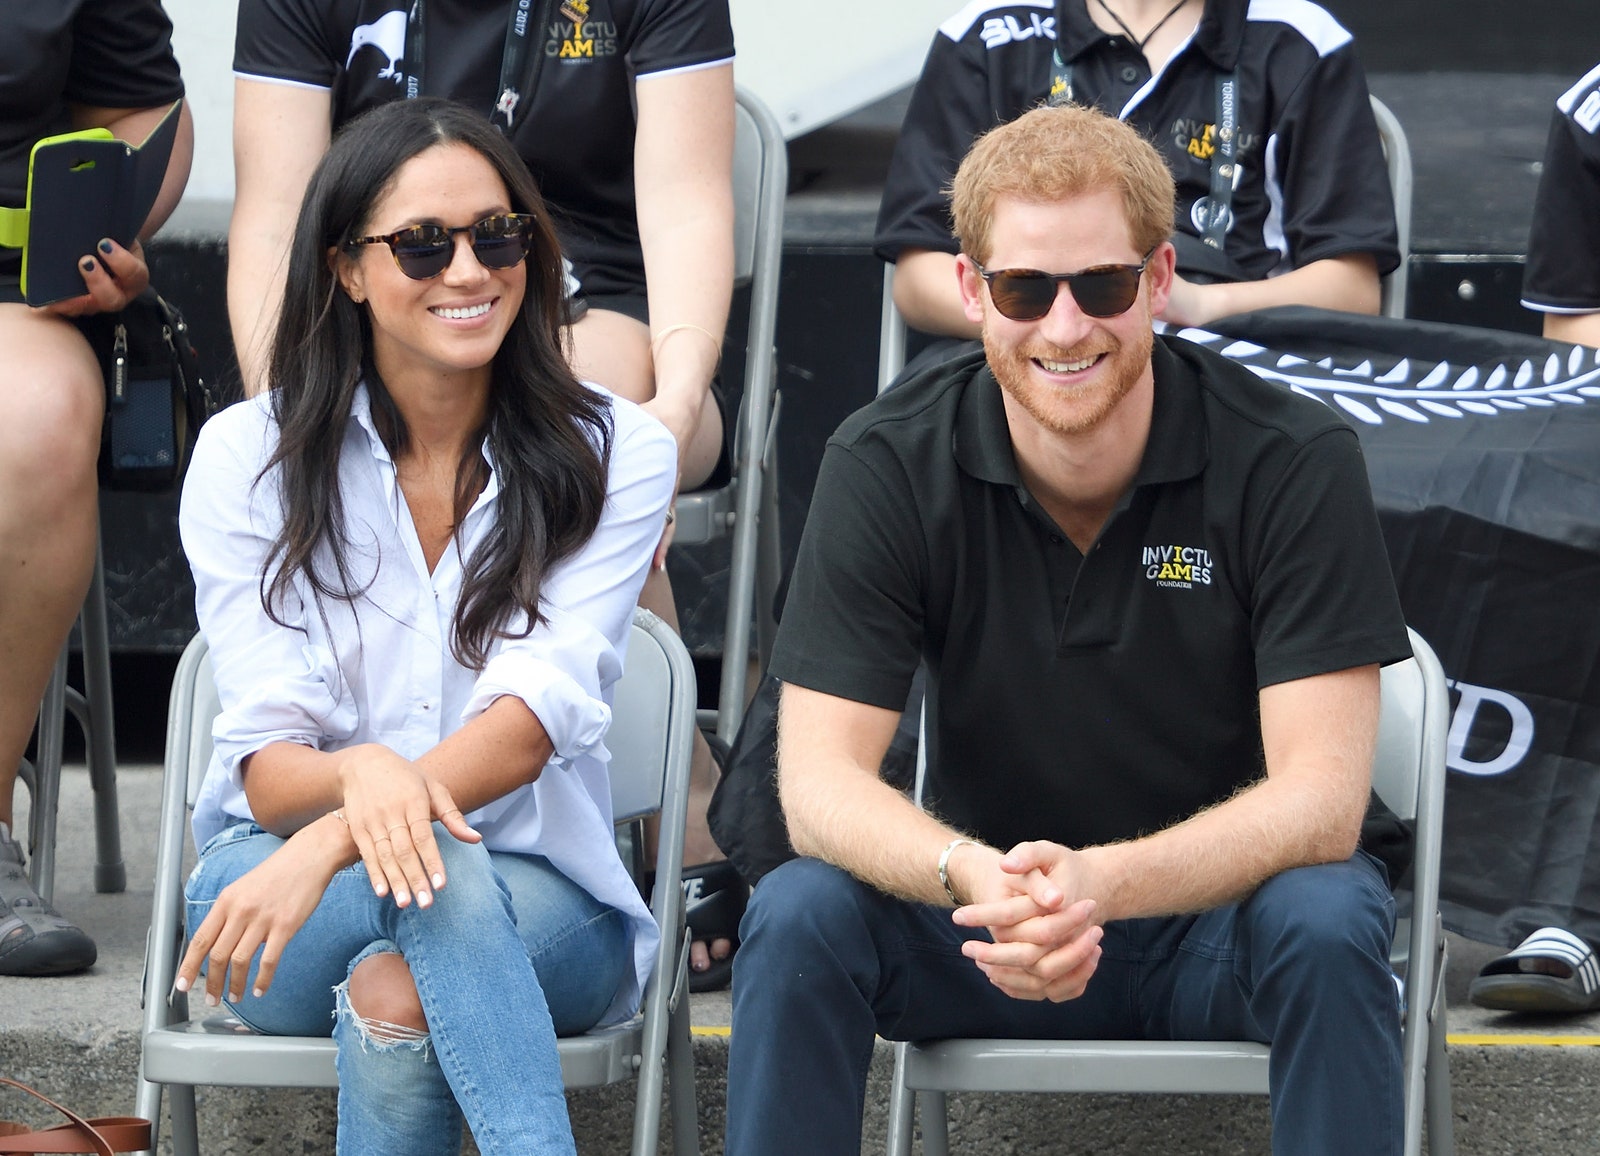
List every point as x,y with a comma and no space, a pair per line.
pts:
1152,597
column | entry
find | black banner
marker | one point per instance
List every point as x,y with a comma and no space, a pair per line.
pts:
1484,453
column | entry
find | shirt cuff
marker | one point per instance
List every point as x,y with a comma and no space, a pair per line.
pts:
574,719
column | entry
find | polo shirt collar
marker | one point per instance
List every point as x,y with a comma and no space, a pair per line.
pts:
982,435
1177,447
1218,34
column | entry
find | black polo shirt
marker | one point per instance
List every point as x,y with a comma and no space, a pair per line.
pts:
1563,270
101,53
1089,699
1312,179
575,129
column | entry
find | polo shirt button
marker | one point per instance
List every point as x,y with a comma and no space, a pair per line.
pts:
1129,74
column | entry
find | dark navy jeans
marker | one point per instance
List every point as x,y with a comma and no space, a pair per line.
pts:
1302,964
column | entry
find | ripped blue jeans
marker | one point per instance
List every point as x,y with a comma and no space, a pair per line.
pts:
510,955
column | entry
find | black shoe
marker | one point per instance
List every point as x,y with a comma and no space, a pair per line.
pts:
34,938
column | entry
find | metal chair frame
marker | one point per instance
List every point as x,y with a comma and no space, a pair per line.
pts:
91,708
650,742
1409,774
746,509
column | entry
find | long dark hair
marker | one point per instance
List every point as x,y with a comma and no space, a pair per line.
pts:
549,437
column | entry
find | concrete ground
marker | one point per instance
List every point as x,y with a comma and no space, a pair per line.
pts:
1520,1083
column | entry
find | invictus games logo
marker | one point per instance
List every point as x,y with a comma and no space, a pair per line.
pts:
578,36
1181,567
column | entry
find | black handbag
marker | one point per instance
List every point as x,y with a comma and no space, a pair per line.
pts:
156,399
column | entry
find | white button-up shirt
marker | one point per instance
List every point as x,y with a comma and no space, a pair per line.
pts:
378,669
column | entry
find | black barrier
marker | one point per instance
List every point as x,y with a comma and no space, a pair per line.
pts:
1484,453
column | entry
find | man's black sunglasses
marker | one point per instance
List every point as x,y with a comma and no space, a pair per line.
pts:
424,251
1028,294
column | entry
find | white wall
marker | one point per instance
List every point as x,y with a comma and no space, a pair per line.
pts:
203,40
810,63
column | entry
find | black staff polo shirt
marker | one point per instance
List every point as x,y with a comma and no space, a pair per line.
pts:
1563,270
1091,698
1312,182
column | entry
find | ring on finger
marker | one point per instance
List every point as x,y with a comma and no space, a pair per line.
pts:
397,827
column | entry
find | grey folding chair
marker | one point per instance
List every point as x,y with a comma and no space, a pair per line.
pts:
650,738
1397,155
1409,774
746,509
91,708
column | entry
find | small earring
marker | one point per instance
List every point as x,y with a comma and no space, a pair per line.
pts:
357,298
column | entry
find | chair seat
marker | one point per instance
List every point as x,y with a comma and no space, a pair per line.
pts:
208,1052
987,1065
704,515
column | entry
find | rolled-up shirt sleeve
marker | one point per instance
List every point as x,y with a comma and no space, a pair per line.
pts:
565,667
275,682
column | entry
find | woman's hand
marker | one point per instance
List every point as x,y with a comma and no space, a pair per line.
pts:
389,807
262,909
113,276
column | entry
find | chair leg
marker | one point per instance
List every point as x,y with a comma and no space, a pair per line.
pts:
47,781
902,1108
1441,1117
147,1105
185,1125
769,546
110,873
935,1113
680,1076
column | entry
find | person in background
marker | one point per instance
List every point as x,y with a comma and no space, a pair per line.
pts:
67,66
1553,969
1562,276
623,110
1261,112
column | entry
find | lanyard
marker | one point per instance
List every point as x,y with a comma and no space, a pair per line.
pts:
519,64
1217,214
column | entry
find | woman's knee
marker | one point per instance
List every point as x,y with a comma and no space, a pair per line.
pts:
52,397
382,997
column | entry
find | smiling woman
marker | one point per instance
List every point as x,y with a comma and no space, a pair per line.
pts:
415,561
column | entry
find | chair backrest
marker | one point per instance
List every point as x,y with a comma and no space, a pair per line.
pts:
1409,773
1397,766
760,184
1397,156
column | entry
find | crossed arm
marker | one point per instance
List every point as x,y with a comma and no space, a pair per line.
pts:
1043,903
387,805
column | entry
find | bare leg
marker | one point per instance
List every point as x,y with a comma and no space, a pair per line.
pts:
614,350
51,403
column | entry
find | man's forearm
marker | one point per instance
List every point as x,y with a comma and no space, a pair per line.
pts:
926,293
1349,283
1578,328
1222,854
839,810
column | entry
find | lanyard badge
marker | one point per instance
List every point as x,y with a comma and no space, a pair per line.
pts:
519,64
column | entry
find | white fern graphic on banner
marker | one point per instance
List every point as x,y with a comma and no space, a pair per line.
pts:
1421,391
